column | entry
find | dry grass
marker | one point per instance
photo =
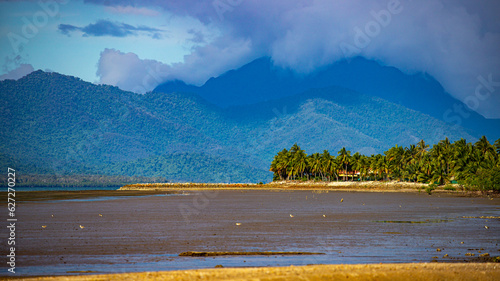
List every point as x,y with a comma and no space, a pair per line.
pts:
413,271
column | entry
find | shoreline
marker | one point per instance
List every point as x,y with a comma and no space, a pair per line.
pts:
364,186
403,271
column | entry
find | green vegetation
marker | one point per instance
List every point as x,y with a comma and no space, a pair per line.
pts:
475,166
60,125
429,189
197,167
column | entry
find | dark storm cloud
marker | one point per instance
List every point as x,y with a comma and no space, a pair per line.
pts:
108,28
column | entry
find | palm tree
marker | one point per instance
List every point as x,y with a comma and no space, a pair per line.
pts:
363,166
355,163
344,159
497,146
326,162
280,164
488,150
315,164
334,167
421,149
299,161
461,153
374,165
394,157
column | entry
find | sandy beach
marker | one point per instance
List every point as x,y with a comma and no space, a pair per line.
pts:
348,186
427,272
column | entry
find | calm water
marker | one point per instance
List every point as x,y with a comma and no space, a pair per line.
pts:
146,233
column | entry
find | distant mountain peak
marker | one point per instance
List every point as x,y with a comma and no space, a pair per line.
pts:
260,81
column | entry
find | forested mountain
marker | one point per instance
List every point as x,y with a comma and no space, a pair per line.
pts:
56,124
61,124
260,81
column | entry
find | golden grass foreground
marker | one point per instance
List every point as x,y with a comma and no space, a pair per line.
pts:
409,271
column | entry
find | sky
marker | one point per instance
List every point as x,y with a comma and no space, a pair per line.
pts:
136,45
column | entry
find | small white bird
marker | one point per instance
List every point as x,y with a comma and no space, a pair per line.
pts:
82,227
238,223
486,227
324,216
44,226
342,200
291,215
100,215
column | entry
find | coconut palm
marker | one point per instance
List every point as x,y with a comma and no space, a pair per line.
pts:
488,150
497,146
344,157
421,149
315,164
475,165
326,162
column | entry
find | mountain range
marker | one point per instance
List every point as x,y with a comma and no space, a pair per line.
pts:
260,80
227,130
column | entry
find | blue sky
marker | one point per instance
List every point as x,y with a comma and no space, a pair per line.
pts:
136,45
77,53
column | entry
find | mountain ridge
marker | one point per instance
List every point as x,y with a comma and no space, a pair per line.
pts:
260,81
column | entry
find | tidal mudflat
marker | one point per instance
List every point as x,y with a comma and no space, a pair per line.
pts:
74,235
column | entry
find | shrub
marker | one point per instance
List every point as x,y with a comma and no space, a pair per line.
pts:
430,188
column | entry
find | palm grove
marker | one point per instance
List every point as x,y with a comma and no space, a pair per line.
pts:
475,166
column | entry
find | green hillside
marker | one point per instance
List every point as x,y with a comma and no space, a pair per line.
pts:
56,124
193,167
332,118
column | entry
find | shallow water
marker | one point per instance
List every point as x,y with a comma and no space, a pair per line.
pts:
146,233
63,188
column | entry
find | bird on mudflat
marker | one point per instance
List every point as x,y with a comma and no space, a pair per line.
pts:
291,216
81,226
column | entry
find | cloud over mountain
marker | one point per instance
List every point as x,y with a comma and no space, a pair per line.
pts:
457,42
21,71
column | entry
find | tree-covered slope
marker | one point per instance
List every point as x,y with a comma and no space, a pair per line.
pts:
61,124
56,124
192,167
332,118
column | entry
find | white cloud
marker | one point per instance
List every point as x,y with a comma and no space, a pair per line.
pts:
19,72
129,72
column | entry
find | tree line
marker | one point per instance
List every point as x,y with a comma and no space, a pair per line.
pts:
474,165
